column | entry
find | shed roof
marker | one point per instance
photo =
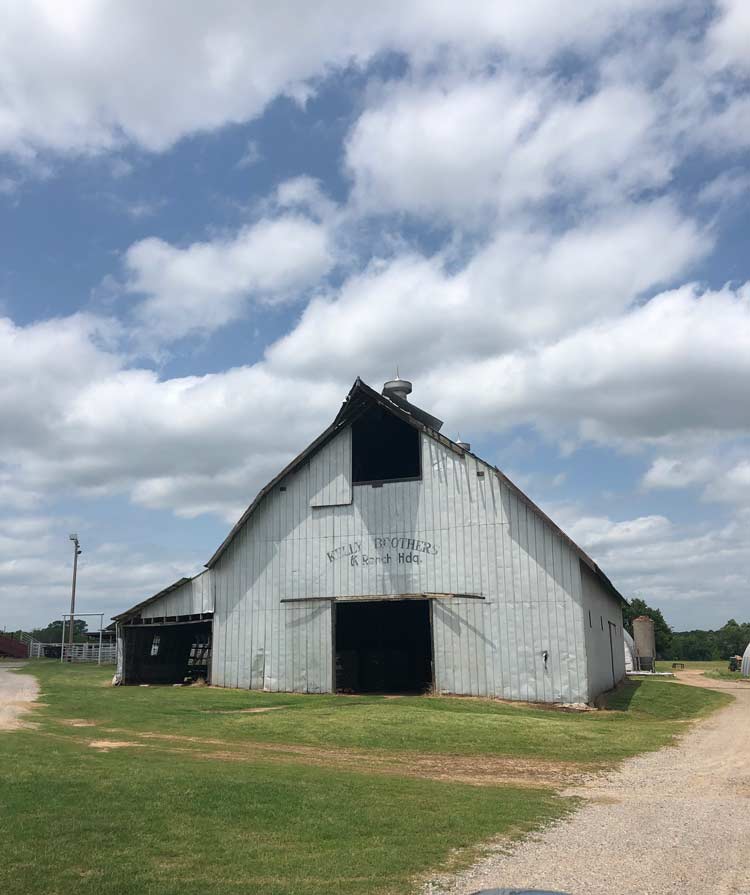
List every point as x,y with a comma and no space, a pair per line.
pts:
142,605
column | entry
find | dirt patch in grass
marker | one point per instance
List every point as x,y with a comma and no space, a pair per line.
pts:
256,711
18,693
77,722
484,770
106,745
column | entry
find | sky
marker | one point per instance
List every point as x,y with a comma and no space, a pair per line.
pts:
215,217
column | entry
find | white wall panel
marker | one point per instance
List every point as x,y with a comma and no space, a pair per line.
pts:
192,598
330,472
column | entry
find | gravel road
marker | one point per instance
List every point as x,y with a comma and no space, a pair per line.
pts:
673,822
17,692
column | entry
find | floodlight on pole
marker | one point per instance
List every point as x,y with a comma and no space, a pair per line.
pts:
76,553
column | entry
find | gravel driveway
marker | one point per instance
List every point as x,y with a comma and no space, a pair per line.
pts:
673,822
17,692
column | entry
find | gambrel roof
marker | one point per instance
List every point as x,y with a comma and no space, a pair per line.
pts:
360,398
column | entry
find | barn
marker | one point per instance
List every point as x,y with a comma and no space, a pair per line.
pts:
387,558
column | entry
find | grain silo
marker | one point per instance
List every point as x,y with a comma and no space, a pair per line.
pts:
645,643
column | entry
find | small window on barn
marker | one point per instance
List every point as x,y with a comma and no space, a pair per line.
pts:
384,448
155,645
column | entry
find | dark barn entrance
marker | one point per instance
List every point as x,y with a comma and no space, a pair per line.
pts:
383,647
167,654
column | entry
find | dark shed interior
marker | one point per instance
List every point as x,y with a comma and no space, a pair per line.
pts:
168,653
383,647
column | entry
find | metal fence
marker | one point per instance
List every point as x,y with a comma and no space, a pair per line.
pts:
90,652
105,653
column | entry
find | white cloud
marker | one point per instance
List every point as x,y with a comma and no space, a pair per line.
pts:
204,286
85,77
207,443
502,141
599,532
251,156
677,364
728,187
671,472
35,573
729,35
695,573
522,288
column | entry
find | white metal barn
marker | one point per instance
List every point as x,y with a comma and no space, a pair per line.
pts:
387,558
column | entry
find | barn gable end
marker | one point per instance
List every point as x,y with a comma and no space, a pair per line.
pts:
507,592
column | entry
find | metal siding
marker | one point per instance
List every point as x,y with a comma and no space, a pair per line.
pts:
488,541
330,472
191,598
604,608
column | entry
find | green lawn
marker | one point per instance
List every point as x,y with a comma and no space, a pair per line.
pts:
724,674
713,665
155,820
716,670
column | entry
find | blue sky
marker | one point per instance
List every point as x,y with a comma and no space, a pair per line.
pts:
215,217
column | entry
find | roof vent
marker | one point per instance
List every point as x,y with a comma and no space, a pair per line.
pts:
463,444
399,388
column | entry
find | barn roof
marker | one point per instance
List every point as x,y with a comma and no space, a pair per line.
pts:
142,605
359,399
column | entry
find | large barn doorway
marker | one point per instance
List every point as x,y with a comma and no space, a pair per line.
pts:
383,647
169,653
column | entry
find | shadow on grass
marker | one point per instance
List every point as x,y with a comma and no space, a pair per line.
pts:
620,700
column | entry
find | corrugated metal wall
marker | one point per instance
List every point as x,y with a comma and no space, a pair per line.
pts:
602,618
453,532
331,473
191,598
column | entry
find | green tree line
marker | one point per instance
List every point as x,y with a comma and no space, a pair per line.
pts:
697,646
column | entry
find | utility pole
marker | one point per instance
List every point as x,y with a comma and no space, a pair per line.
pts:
76,554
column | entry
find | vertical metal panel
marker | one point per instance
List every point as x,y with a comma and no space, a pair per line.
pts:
604,608
191,598
330,473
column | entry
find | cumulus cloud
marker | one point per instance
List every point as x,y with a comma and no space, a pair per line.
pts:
696,573
678,363
208,442
729,35
672,472
35,570
501,141
521,288
205,285
86,77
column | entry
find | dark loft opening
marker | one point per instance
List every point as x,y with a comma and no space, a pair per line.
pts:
383,647
167,654
384,448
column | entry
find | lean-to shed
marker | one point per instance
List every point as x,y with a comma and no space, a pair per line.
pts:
387,557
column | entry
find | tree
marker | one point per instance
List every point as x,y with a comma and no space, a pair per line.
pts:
732,639
54,631
662,631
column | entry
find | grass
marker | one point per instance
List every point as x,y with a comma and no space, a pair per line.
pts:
716,670
712,665
147,820
723,674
